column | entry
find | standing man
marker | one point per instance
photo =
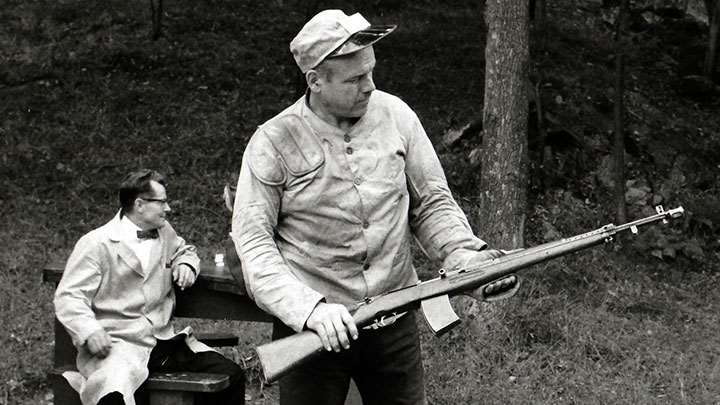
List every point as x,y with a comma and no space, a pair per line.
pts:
116,300
330,194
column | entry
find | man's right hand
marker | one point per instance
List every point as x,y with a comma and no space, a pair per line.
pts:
334,324
99,343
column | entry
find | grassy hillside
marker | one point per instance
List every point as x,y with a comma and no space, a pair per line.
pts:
87,96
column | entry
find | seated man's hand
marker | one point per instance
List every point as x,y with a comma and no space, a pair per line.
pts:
334,324
99,343
183,276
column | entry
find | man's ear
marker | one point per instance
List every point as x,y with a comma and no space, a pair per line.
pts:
313,79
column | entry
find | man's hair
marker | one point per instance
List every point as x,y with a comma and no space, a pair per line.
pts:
135,184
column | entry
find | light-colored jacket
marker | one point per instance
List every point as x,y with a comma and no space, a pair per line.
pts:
105,287
321,213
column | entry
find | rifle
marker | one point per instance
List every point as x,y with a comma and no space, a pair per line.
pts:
490,280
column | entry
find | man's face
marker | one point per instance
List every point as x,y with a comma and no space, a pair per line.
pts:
345,84
151,208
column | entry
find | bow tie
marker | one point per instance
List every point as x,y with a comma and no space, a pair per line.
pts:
149,234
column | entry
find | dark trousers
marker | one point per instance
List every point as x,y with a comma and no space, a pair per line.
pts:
386,365
174,355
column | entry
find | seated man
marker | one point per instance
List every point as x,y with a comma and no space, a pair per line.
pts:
116,300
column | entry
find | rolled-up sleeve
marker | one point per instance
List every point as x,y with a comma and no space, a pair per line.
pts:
438,223
183,252
270,281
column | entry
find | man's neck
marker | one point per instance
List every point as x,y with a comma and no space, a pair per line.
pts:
135,220
343,123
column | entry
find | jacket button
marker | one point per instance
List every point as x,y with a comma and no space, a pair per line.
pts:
358,181
366,224
366,266
347,138
349,150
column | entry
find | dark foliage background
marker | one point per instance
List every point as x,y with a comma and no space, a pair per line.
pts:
86,96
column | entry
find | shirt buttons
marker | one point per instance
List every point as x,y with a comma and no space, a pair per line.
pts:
349,150
347,138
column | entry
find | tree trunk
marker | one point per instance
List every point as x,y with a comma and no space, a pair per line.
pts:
714,23
619,141
546,154
156,12
505,115
709,9
540,20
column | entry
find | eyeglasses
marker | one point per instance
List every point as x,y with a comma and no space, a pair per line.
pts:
162,201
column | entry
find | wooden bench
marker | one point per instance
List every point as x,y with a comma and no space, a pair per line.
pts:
180,388
176,388
215,295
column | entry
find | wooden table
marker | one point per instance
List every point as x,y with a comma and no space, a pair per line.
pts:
215,295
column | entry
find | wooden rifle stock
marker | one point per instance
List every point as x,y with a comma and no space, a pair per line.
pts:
491,278
280,356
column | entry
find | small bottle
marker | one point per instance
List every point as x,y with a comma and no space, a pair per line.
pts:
219,260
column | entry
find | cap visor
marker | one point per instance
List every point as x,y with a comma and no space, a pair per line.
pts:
362,39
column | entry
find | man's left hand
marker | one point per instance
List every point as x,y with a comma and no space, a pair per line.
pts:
487,254
183,276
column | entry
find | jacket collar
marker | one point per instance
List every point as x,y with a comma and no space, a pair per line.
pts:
125,251
115,228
